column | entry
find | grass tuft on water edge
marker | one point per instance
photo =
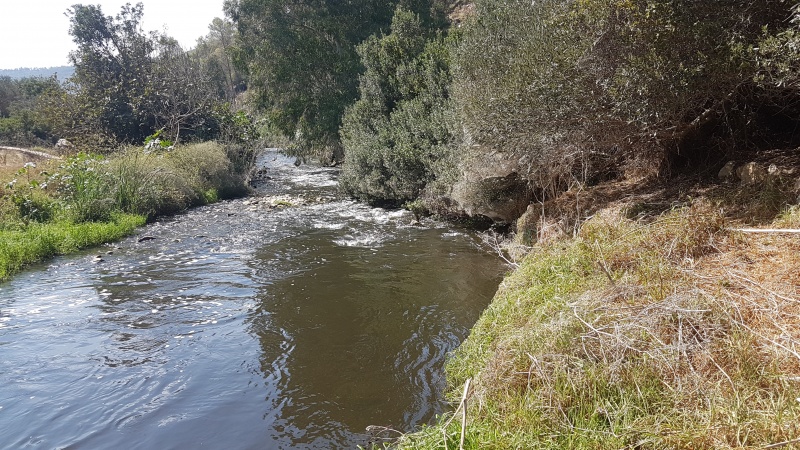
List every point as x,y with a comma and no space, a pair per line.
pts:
40,241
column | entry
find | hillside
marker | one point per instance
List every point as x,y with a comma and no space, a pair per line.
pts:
61,72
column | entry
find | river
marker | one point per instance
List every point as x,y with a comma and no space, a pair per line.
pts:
242,326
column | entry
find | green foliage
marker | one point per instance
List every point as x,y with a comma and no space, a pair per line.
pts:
26,193
564,89
302,63
216,51
82,181
21,123
397,135
113,67
129,84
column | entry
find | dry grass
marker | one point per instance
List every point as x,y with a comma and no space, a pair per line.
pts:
671,332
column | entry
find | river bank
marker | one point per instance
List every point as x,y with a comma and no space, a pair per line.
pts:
656,325
59,206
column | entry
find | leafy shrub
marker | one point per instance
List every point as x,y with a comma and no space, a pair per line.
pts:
564,90
84,185
25,192
397,133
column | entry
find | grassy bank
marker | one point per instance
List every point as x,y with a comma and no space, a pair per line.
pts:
664,332
41,241
61,206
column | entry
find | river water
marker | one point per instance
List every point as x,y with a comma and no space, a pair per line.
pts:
242,326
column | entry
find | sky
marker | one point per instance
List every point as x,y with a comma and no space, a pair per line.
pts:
35,33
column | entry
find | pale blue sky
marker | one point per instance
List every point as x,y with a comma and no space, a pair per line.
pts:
35,33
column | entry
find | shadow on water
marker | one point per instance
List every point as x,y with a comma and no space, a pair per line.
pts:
242,326
362,333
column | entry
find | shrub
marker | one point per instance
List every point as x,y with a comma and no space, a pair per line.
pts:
161,181
204,167
565,90
398,133
83,182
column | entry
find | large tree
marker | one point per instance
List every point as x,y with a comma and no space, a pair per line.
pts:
113,64
302,60
215,51
129,84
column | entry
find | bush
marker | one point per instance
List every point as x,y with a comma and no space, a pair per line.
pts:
565,90
399,131
206,166
161,182
84,185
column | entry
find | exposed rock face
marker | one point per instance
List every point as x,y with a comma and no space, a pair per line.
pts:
492,187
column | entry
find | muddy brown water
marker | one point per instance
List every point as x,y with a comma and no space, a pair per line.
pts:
242,327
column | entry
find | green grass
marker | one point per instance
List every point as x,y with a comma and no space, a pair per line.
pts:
40,241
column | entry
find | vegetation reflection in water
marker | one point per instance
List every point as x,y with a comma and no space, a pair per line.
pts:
243,327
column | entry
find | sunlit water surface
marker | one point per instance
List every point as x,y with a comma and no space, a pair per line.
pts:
242,327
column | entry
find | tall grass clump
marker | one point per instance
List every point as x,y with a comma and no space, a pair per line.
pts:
632,335
159,182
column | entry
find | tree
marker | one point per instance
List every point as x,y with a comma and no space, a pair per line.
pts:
21,122
9,93
113,65
302,63
129,84
181,97
215,51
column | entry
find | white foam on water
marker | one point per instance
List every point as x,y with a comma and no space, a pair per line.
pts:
366,240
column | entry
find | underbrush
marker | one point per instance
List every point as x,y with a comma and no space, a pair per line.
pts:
677,333
85,200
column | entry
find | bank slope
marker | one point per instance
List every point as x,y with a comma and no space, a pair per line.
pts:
676,333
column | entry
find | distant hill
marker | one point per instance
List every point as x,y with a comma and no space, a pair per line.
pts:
62,72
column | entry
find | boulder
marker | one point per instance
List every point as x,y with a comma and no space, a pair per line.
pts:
751,173
63,145
728,171
492,187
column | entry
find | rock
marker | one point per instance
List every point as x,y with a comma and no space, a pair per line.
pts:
493,188
773,170
146,238
751,173
728,171
64,144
